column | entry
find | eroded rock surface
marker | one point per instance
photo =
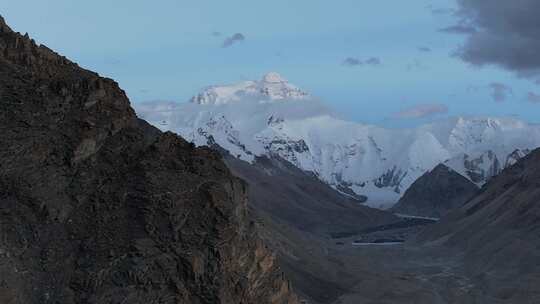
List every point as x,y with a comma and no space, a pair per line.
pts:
97,206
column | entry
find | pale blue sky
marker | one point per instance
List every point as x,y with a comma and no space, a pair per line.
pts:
166,50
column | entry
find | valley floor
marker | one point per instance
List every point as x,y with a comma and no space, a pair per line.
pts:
409,273
405,274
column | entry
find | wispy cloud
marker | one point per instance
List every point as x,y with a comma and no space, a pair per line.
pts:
533,97
500,91
353,61
440,11
236,38
421,111
461,29
373,61
424,49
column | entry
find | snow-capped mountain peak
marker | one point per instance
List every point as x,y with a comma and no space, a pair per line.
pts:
273,117
274,77
272,87
278,88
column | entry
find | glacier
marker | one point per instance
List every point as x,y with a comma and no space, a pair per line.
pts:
275,118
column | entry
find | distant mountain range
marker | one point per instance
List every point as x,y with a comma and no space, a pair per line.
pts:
272,117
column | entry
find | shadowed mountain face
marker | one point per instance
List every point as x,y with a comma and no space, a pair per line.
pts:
435,193
96,206
289,195
499,232
301,215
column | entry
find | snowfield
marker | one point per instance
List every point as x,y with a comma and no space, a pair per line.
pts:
273,117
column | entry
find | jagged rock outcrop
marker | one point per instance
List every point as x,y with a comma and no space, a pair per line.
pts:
481,169
436,193
97,206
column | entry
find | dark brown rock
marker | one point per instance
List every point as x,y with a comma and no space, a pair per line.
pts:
99,207
3,26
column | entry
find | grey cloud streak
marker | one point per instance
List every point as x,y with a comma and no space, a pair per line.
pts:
229,41
500,32
353,61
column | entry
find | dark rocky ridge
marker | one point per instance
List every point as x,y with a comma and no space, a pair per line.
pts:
96,206
498,230
435,193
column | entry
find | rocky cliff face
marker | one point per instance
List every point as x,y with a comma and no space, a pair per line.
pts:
435,193
99,207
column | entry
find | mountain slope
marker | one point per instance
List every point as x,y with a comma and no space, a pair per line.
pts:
499,232
289,195
273,117
435,193
300,216
97,206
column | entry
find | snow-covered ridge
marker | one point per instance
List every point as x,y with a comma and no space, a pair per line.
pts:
247,120
272,87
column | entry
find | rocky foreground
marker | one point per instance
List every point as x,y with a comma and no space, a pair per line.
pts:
96,206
